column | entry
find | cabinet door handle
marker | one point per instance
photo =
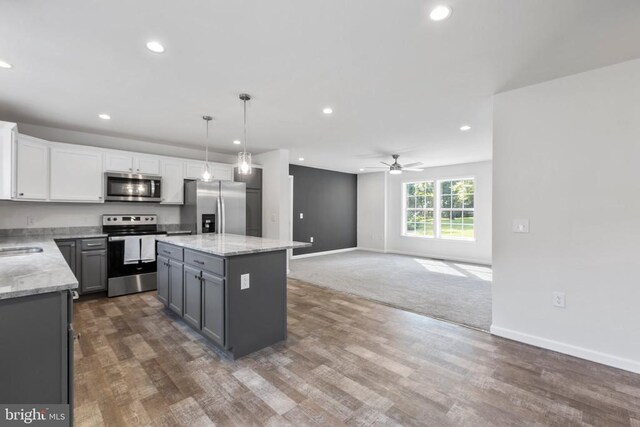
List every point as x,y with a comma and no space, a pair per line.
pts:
20,194
198,277
199,262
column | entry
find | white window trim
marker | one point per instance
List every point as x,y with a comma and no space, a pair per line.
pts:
437,192
403,222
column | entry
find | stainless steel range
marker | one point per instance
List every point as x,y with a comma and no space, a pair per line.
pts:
131,264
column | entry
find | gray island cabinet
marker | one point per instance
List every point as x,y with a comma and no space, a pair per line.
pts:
232,289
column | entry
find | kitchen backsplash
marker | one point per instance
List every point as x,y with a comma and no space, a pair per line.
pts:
37,215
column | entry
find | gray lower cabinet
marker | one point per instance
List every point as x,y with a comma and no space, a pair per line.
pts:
163,279
213,307
192,296
36,356
176,289
68,249
94,271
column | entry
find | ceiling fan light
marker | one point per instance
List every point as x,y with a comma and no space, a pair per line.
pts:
395,171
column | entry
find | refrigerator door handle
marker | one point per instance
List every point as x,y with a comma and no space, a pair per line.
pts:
218,216
224,219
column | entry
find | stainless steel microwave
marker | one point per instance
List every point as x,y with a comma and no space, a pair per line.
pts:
128,187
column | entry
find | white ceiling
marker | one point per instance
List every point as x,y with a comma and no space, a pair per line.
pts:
397,81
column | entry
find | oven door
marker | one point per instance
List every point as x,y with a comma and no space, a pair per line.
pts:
116,266
124,187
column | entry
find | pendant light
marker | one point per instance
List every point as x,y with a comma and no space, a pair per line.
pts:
244,158
206,175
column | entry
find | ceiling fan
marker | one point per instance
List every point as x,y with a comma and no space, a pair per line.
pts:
396,168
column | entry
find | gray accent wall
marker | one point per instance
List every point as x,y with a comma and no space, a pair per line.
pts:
328,201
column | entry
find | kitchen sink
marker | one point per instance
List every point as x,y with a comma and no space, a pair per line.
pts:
27,250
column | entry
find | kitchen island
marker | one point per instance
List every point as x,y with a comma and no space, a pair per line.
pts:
232,289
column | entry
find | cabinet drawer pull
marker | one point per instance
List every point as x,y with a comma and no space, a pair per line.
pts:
198,261
21,194
94,244
166,251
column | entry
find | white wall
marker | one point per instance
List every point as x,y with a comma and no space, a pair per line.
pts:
372,214
276,208
115,143
567,157
15,214
372,190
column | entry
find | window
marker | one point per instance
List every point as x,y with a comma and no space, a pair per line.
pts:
419,218
451,218
456,209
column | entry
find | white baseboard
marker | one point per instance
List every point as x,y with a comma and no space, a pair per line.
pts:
380,251
572,350
337,251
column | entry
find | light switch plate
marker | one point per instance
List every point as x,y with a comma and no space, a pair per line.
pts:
520,225
245,280
559,300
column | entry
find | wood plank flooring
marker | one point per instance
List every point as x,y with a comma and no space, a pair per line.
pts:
348,361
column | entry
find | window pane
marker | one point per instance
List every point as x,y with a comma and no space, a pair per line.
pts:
445,202
420,228
445,215
411,202
410,227
411,189
467,218
446,187
457,187
421,202
411,216
429,188
419,216
468,201
458,201
420,189
469,186
429,226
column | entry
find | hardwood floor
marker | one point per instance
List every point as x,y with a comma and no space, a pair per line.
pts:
348,361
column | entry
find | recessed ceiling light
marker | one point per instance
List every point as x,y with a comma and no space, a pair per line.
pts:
4,64
439,13
301,159
327,110
104,116
465,128
361,169
155,47
237,142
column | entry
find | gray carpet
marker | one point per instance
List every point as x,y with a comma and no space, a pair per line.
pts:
452,291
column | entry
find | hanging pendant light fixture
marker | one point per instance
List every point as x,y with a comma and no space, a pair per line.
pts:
206,175
244,158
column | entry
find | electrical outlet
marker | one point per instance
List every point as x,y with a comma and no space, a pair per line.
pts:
520,226
245,280
559,299
311,239
301,215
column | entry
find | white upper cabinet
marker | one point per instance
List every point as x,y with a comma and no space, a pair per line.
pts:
123,162
193,170
76,175
32,169
118,162
172,182
146,165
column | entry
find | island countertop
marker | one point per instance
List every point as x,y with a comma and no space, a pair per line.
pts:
226,245
34,273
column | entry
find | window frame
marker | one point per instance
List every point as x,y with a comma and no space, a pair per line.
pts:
403,225
437,209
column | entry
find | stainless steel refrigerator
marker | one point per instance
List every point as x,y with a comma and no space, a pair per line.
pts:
214,207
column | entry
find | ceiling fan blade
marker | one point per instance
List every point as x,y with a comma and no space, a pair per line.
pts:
412,165
375,167
412,169
385,163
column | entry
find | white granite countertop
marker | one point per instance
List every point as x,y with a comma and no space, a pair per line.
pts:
35,273
230,244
